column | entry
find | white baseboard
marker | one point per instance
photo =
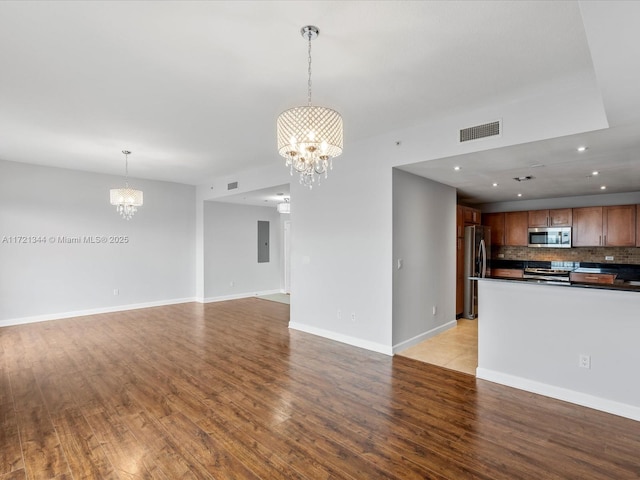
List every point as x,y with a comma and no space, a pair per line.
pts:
423,336
339,337
92,311
571,396
236,296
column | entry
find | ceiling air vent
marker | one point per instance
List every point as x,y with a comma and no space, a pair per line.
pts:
523,179
232,185
493,129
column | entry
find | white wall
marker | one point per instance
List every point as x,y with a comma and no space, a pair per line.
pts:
424,239
530,336
231,253
49,280
342,256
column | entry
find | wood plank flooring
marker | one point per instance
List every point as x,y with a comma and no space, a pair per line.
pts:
226,390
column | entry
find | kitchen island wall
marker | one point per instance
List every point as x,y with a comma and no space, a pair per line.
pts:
533,337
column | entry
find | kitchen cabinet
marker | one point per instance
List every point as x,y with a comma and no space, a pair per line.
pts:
471,216
638,226
619,226
587,227
613,226
560,217
464,216
459,276
507,273
515,228
599,278
495,221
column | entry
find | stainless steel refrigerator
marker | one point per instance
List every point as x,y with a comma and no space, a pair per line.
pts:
477,250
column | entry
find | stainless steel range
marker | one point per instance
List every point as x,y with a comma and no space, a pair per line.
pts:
548,274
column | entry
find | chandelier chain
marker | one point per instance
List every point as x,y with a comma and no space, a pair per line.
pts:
309,81
126,169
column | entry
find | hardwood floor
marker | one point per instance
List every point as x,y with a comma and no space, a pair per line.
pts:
225,390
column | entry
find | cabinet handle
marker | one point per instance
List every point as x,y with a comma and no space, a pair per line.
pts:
548,222
600,240
605,240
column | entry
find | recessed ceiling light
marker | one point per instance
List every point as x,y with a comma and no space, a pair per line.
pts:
495,184
456,168
603,187
582,149
519,194
595,172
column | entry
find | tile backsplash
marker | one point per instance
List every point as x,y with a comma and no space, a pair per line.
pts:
628,255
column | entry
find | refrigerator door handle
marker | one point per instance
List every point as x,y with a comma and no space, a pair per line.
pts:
482,253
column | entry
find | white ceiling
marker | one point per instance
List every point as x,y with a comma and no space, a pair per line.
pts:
265,197
193,89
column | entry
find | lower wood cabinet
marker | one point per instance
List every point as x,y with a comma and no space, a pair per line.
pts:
507,273
459,276
599,278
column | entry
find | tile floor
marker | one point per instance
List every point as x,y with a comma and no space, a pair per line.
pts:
456,349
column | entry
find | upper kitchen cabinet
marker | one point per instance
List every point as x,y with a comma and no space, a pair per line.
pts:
515,228
638,227
471,216
613,226
561,217
619,226
495,221
466,216
587,227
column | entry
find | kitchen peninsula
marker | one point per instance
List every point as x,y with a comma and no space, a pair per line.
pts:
564,341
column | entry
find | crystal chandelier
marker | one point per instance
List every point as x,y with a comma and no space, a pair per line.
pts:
127,200
284,207
309,137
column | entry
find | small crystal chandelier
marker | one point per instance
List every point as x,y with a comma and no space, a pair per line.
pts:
284,207
127,200
309,137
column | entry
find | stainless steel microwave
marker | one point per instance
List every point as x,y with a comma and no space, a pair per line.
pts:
552,237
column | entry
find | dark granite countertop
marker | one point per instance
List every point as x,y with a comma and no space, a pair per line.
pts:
619,285
624,272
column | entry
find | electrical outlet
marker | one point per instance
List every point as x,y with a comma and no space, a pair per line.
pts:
501,255
399,263
609,258
339,314
353,317
231,283
435,309
116,291
584,361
